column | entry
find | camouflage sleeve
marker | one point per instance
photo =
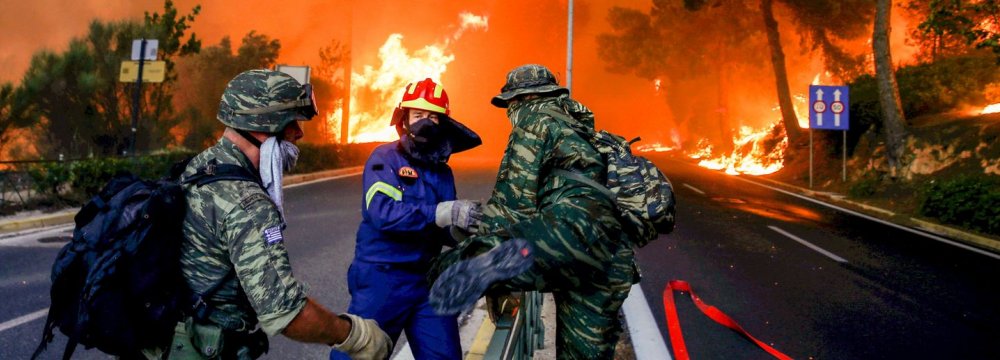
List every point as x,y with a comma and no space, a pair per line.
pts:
515,196
257,250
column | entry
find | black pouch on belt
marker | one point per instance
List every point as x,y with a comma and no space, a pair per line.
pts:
252,344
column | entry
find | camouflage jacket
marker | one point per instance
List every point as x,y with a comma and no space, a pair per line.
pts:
538,144
233,227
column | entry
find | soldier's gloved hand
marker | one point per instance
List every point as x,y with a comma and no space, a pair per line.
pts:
463,214
365,341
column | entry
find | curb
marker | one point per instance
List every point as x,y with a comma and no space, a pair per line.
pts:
62,217
66,216
301,178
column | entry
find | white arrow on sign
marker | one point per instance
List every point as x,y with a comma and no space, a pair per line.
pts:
836,115
819,115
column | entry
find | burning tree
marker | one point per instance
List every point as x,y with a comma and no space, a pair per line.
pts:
705,40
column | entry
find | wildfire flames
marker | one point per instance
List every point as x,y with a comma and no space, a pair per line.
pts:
375,92
757,152
990,109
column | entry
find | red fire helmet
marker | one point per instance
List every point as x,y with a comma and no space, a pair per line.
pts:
425,95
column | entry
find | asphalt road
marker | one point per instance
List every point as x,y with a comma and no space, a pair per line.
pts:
877,293
322,220
891,294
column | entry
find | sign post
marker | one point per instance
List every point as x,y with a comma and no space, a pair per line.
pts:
142,50
829,109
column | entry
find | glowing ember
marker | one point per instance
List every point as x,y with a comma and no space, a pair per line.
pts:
375,92
757,152
990,109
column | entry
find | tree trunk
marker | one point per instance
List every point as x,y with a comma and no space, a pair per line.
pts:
888,91
788,117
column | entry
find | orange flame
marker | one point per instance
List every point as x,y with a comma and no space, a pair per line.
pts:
752,154
375,92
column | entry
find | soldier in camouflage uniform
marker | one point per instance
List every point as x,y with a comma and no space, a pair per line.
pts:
581,254
233,254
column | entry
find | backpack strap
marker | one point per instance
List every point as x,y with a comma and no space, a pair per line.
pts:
213,171
199,307
572,175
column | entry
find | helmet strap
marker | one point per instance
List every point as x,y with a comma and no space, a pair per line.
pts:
246,135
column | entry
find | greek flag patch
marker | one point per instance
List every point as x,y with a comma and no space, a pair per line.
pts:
273,235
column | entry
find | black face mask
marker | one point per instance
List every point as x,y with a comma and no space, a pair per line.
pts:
427,142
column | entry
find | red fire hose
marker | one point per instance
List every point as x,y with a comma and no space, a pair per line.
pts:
674,325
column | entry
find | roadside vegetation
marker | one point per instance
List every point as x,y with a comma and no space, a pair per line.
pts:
918,144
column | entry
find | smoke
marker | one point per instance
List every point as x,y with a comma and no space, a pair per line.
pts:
471,21
669,110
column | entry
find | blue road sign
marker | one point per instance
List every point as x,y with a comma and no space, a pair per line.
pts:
829,108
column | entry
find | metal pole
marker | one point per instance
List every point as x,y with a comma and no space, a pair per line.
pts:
810,158
845,157
569,48
345,109
136,95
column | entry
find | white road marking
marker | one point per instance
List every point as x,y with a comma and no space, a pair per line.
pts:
809,244
875,219
694,189
24,319
645,334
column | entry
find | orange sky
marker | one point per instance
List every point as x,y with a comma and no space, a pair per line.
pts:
520,31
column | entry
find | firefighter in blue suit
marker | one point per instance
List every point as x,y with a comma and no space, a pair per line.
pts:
408,206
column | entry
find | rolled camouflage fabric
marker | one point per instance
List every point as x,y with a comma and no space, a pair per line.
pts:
528,79
264,101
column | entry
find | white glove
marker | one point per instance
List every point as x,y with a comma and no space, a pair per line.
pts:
463,214
366,340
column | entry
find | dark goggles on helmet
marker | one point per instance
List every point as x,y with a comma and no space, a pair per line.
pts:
305,105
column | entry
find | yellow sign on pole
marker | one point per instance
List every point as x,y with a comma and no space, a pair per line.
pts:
152,71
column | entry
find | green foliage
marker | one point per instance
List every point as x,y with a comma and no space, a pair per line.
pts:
865,187
973,21
79,180
74,98
48,178
8,114
972,202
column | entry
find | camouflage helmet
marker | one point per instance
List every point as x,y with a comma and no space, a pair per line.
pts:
528,79
265,101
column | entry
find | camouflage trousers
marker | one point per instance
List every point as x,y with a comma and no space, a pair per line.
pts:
579,257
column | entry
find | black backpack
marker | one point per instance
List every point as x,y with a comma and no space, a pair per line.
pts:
117,285
643,195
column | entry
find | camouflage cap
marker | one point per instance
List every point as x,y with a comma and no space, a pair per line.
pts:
527,79
265,101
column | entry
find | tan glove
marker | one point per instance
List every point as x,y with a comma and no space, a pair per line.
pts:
366,341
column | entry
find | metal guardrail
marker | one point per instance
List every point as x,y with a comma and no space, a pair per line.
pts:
15,187
519,332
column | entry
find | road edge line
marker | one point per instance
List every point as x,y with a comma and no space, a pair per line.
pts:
647,341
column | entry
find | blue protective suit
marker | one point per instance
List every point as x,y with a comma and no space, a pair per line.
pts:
395,242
